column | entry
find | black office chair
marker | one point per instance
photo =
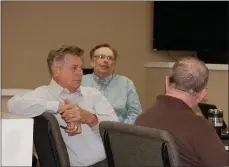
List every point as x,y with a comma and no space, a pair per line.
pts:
135,146
49,144
34,161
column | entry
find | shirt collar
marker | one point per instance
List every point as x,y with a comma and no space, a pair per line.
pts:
103,81
59,89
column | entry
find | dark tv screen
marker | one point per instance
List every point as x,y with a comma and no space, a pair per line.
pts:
87,71
190,25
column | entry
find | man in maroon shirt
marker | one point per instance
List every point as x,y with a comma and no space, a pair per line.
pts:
195,138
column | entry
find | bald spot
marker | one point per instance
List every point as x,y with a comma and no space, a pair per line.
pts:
194,66
190,74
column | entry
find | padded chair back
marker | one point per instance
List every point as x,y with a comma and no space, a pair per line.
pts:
49,144
132,145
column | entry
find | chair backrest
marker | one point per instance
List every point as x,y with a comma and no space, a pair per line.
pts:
132,145
49,143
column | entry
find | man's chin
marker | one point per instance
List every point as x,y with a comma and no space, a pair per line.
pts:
76,84
104,69
104,72
76,87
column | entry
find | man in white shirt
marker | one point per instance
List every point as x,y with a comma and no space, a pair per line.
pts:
78,109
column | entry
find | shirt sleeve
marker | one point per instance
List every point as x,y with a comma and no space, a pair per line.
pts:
32,104
209,147
103,110
133,104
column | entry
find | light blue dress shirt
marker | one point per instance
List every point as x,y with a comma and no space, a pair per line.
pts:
120,92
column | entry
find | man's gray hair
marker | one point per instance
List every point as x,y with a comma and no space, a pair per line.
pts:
55,56
189,74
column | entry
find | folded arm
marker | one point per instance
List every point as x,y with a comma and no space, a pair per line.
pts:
32,104
103,110
89,118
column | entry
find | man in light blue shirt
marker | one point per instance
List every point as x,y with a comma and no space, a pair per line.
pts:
119,90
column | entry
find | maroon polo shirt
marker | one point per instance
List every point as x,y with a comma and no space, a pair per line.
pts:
195,138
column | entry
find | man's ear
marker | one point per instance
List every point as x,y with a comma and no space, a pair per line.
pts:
202,95
115,61
92,63
55,71
166,83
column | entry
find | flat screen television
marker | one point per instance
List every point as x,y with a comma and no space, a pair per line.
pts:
200,26
87,71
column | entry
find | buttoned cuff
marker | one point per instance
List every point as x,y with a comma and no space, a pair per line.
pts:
96,127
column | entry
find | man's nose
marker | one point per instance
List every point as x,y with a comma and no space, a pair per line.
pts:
79,72
105,60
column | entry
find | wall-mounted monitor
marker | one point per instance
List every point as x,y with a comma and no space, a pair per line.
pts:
200,26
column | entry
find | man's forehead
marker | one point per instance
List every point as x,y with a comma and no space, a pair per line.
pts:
72,60
104,51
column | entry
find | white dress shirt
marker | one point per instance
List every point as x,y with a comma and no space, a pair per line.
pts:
84,149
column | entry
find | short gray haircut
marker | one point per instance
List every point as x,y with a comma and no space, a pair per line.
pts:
55,56
189,74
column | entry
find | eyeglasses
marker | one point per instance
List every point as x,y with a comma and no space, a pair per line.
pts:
102,57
